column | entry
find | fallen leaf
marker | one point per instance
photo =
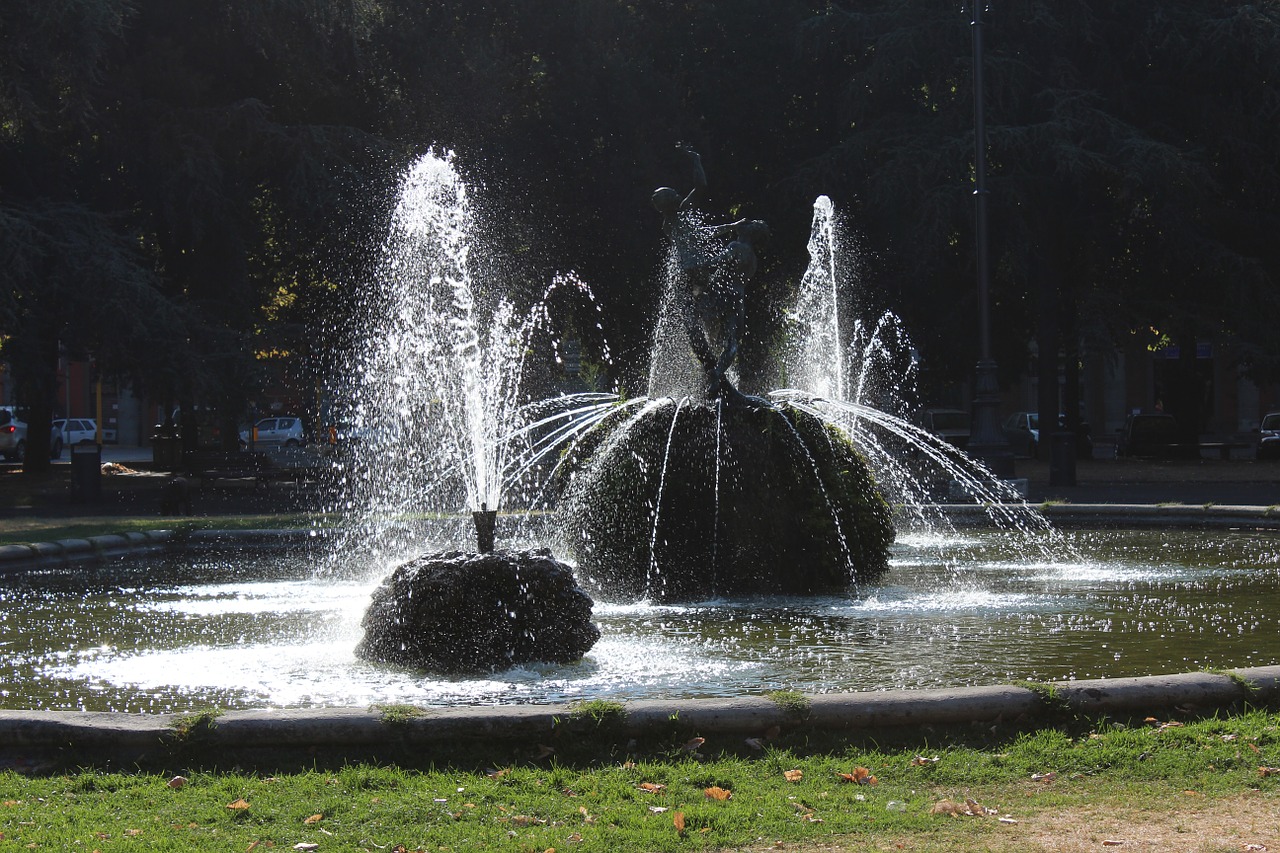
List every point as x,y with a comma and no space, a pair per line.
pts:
133,833
657,809
969,808
306,846
692,745
860,776
498,774
238,805
252,847
921,761
1007,820
678,820
651,787
1260,848
1172,724
793,775
575,838
1229,738
1268,771
715,792
1112,842
526,820
315,818
1044,777
177,781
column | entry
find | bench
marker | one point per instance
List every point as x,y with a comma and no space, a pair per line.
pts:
210,465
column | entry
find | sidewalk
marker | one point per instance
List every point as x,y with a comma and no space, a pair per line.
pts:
1195,482
1123,482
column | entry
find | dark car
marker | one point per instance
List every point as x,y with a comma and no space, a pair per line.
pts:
1022,431
951,425
1269,437
1154,435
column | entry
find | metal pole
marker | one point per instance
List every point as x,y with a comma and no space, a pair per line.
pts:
986,443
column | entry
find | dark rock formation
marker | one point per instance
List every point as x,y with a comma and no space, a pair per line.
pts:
684,503
460,613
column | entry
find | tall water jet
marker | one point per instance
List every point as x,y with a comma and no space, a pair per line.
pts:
439,380
816,357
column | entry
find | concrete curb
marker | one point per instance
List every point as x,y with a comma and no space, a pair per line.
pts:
130,738
65,552
1133,515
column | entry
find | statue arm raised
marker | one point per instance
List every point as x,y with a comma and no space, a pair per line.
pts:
699,175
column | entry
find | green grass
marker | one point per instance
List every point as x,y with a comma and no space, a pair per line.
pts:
632,803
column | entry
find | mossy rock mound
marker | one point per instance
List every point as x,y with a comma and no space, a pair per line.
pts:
684,502
464,613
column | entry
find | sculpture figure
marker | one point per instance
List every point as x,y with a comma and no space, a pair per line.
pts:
715,278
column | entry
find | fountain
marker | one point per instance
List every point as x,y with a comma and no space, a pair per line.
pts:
933,607
452,398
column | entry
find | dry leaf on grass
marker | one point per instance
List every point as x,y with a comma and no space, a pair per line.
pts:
1268,771
238,805
969,808
921,761
678,821
651,787
715,792
693,744
793,775
315,818
177,781
859,776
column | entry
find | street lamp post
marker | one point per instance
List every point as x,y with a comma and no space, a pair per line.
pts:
986,442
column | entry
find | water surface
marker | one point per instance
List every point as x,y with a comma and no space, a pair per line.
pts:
162,634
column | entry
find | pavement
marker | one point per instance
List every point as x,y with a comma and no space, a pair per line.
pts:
1114,482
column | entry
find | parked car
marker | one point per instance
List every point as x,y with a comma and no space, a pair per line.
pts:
1155,435
69,431
951,425
1269,436
275,432
13,436
1022,431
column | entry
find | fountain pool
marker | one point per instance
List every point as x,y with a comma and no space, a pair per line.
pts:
168,634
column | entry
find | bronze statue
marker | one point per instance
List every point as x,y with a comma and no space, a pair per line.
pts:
715,278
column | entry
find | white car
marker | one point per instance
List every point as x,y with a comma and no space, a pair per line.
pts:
13,436
71,431
275,432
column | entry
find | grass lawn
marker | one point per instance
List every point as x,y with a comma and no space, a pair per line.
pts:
1206,785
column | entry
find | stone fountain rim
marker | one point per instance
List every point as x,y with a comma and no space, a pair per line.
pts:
337,728
66,551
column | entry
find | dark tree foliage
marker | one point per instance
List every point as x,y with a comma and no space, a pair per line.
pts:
229,167
1130,188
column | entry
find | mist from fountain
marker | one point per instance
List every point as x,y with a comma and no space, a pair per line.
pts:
447,421
440,422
